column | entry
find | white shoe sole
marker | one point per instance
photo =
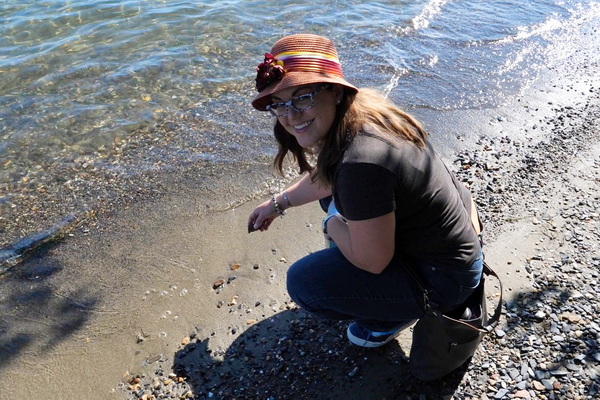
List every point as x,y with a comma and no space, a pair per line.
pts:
365,343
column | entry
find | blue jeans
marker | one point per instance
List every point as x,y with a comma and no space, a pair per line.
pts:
326,284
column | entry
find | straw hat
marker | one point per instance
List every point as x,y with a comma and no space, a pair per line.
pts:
294,60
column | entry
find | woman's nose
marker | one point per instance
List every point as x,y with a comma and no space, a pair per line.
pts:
292,113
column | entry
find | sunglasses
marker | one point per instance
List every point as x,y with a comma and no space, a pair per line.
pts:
299,103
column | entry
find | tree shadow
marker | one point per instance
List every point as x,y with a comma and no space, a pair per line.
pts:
294,355
35,315
557,346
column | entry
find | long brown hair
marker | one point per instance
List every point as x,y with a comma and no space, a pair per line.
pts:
367,108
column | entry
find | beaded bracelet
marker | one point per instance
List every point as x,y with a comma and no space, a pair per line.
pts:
287,200
277,206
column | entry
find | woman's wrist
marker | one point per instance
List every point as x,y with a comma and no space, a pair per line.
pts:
326,220
281,202
286,199
277,206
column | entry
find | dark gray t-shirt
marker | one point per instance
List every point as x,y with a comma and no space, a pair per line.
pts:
377,176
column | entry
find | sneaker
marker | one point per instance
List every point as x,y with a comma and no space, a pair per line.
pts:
361,336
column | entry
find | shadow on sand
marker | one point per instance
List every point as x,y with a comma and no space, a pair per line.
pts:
36,315
294,355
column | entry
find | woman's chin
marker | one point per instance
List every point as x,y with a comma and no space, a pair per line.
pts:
306,144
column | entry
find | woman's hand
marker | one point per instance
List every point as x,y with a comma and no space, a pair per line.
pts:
261,218
302,192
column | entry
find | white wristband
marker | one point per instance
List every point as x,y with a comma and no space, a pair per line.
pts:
327,218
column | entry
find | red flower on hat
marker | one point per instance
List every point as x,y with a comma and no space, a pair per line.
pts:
269,71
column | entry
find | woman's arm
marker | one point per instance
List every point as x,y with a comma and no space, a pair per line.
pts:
368,244
302,192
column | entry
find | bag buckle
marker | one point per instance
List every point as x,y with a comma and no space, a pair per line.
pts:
429,307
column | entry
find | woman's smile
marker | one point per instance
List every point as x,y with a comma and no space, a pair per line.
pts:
302,126
311,125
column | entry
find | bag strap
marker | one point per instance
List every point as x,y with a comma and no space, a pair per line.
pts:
430,307
492,322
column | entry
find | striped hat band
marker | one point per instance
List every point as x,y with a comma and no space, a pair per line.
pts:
310,62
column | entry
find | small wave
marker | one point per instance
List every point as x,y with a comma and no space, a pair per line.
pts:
579,16
423,20
558,36
11,256
526,32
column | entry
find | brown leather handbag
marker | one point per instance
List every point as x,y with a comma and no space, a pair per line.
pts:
442,343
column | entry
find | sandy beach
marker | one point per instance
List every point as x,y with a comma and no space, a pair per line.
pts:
164,298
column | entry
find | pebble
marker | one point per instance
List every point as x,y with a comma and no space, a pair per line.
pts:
218,283
522,394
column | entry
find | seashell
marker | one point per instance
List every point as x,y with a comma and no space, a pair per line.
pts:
154,358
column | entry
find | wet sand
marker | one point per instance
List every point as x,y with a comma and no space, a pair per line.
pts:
127,295
84,313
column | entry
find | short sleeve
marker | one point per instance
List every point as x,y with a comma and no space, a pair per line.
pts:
364,191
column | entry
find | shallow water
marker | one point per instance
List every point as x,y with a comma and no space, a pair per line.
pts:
127,87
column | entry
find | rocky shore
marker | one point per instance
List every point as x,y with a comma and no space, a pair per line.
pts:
546,346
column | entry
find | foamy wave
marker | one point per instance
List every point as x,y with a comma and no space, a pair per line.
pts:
403,70
580,16
525,32
423,20
560,36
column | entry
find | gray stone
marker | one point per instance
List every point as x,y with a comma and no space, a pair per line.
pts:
574,367
522,385
514,373
562,371
539,375
547,384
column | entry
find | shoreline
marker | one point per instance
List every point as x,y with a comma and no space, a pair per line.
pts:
51,205
125,299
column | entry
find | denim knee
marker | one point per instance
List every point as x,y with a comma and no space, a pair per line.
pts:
296,283
311,280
